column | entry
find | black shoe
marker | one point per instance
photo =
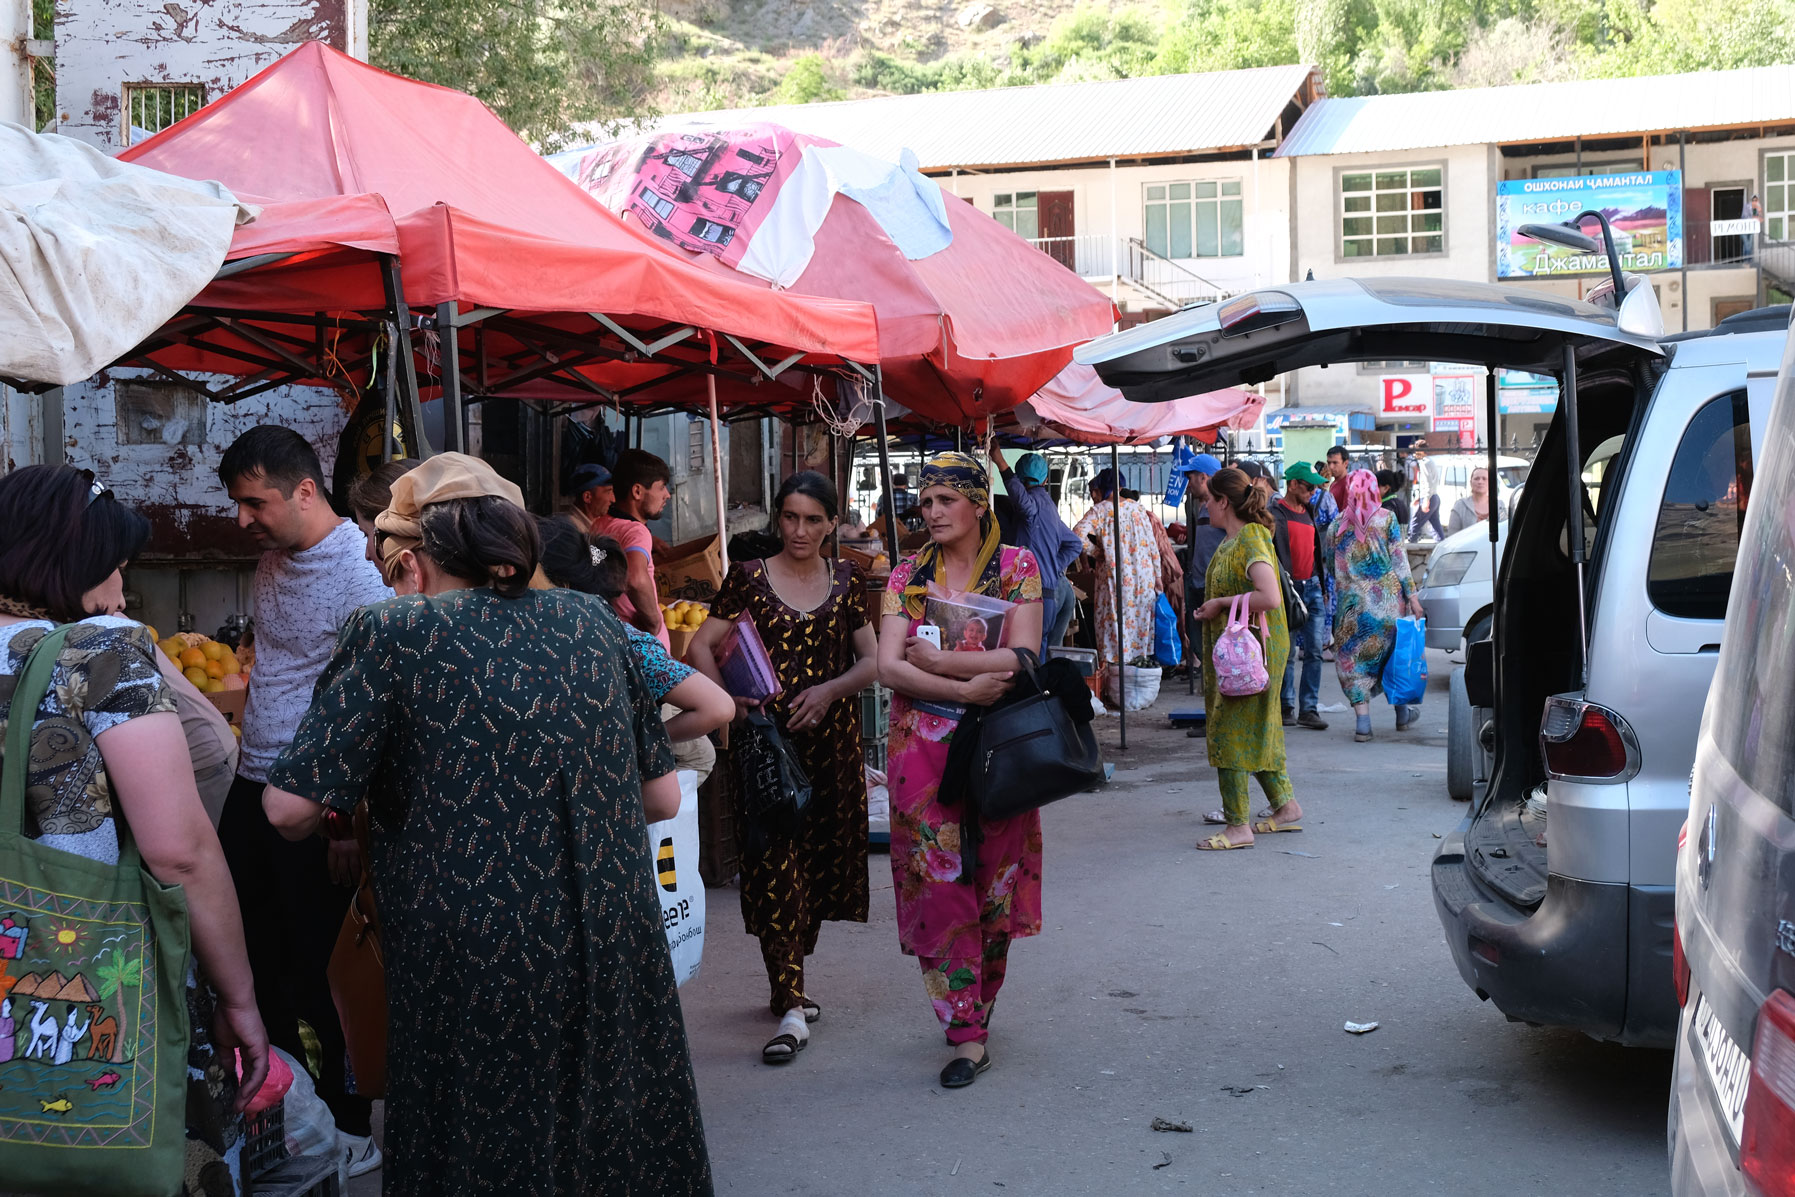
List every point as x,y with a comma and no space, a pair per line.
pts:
1289,716
1197,732
961,1072
1312,719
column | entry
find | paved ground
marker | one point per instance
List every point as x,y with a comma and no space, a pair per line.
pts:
1208,989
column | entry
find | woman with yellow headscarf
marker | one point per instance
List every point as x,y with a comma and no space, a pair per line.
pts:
959,926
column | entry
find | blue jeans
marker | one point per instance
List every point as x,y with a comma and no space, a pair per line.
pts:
1312,635
1057,614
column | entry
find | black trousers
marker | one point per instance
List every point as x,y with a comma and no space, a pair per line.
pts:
291,915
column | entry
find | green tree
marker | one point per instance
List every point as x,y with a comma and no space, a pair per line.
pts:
116,975
545,66
1673,36
1225,35
806,81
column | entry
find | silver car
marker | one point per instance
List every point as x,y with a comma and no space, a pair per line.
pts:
1458,587
1556,890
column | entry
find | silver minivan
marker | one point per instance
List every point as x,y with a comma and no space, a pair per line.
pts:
1556,890
1732,1105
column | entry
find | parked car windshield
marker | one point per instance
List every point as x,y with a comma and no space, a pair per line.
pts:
1753,719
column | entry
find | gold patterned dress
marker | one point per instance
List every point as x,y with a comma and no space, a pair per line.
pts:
792,885
1245,735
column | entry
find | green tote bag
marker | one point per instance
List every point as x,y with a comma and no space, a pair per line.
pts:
93,1021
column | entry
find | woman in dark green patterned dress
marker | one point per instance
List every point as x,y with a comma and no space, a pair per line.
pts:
811,613
507,745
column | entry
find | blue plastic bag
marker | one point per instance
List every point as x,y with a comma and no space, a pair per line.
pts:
1167,648
1405,673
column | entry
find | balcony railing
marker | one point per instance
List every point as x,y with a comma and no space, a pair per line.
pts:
1163,281
1721,243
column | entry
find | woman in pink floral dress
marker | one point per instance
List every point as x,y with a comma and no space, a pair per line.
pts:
959,926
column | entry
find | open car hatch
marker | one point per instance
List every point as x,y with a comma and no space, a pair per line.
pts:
1258,335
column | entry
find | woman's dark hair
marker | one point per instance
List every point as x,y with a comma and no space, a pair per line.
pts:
567,559
1237,490
811,485
478,538
370,494
58,540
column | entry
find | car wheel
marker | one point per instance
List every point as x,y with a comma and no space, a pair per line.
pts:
1479,629
1461,740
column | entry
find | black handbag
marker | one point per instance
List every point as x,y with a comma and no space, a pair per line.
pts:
771,787
1296,611
1032,752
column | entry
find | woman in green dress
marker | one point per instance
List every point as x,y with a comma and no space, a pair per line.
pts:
1245,735
507,745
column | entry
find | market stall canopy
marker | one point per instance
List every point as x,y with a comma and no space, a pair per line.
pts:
1081,407
972,318
488,235
97,254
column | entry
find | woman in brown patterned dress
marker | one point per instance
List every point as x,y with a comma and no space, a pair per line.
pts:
811,612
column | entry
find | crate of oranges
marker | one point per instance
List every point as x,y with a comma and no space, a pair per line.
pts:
214,670
683,619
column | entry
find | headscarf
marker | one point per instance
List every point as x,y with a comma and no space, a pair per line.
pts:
1362,499
960,472
442,478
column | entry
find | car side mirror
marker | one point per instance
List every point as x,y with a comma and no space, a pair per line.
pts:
1480,673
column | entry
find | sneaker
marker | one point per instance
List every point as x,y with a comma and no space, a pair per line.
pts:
1289,716
1312,719
364,1155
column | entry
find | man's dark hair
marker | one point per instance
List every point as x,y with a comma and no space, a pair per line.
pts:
58,540
637,467
280,456
1338,451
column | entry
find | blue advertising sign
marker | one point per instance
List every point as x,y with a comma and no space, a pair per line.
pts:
1644,208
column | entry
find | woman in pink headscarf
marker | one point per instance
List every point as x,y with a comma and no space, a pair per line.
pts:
1375,588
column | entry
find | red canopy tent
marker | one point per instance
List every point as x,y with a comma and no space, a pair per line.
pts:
547,294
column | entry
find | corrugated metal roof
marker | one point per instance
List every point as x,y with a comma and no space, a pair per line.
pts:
1064,122
1587,108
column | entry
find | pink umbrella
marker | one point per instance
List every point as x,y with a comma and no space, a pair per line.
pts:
1080,406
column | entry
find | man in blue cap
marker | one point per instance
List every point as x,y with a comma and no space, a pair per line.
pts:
592,493
1044,534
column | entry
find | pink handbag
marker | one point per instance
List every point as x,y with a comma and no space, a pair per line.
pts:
1239,656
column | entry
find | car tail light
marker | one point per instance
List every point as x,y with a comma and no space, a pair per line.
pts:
1255,311
1679,966
1767,1143
1585,742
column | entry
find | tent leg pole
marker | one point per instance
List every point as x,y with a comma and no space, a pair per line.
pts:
886,500
413,423
717,472
1119,566
454,419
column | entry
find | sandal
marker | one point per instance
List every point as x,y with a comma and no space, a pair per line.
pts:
1216,817
812,1011
1220,843
781,1048
1272,826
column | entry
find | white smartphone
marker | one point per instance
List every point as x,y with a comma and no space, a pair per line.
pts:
929,632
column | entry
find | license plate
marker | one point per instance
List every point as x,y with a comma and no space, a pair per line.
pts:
1728,1068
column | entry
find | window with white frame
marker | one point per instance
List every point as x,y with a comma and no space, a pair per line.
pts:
1195,220
1018,212
1779,196
1389,213
153,107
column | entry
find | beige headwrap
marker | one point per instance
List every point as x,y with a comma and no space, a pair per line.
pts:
445,476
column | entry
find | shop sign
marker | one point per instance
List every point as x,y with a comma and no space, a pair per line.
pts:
1519,393
1408,395
1644,208
1455,395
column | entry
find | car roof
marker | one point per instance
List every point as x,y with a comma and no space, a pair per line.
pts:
1759,351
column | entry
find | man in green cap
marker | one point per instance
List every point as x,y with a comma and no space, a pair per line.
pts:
1299,549
1044,534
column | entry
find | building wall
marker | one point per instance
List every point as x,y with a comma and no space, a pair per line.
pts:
102,45
1099,220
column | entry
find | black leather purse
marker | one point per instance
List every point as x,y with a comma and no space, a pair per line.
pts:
1032,752
771,786
1296,611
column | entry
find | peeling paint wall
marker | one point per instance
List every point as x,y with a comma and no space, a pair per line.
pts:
197,561
102,45
21,429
